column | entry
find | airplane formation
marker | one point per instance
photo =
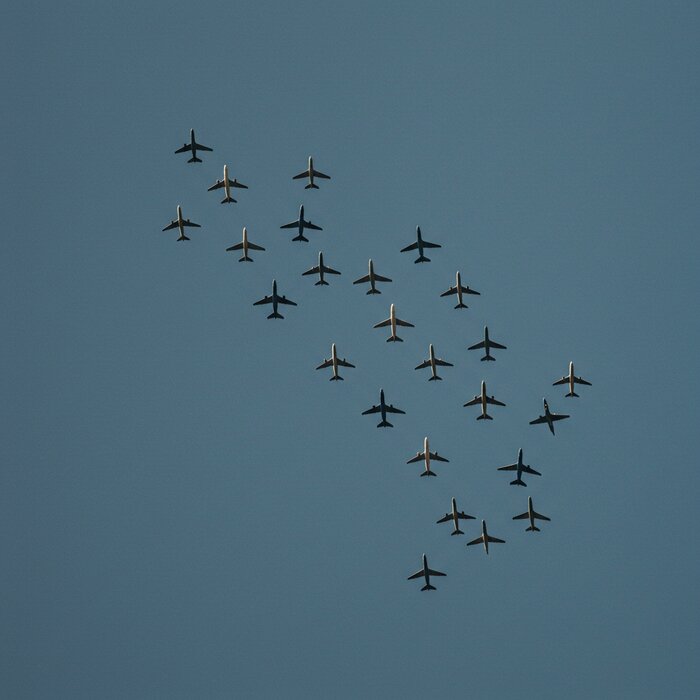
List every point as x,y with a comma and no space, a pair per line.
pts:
334,362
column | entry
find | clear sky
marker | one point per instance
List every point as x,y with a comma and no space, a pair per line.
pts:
188,509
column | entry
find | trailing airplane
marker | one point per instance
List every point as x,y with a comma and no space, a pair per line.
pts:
275,299
425,456
549,418
301,224
455,516
180,223
372,278
311,174
485,538
571,379
194,147
320,270
383,409
531,514
520,468
459,289
334,362
426,572
393,321
419,245
483,399
227,184
487,344
245,245
433,363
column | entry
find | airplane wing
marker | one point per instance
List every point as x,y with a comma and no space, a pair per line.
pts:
437,457
413,246
399,322
478,540
563,380
190,223
530,470
300,175
291,224
252,246
199,147
374,409
423,365
449,292
379,278
494,402
184,148
540,517
541,419
217,186
495,539
522,516
509,468
364,279
264,300
498,346
463,516
558,416
324,364
478,346
330,271
420,456
445,518
313,227
431,245
432,572
235,183
381,324
171,225
284,300
476,400
418,574
442,363
345,363
238,246
468,290
313,271
391,409
578,380
321,175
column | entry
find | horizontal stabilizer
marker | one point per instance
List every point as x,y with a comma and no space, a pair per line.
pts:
532,528
385,424
336,378
373,291
245,258
421,259
572,393
228,200
432,379
301,237
518,482
488,358
461,306
194,159
484,416
183,238
316,284
428,587
311,186
428,473
394,339
456,532
274,314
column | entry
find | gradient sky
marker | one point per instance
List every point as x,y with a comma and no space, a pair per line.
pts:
188,509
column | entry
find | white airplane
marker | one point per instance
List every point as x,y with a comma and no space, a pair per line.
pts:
301,224
320,270
194,147
372,277
275,299
487,344
483,399
245,245
426,572
334,362
455,516
311,174
419,245
531,514
520,468
383,409
180,223
571,379
393,321
549,418
433,362
485,538
227,184
459,289
425,456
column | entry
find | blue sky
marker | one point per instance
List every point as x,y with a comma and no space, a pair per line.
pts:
188,509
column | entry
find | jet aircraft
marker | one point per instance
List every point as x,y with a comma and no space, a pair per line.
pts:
531,514
300,224
426,572
383,409
320,270
275,299
484,400
485,538
455,516
194,147
180,223
549,418
311,174
372,278
245,245
393,321
334,362
571,379
419,245
425,456
520,468
487,344
433,363
227,184
459,289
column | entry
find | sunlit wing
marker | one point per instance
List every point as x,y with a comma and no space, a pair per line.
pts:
321,175
171,225
420,456
476,400
478,540
449,292
324,364
382,324
217,186
399,322
494,402
437,457
445,518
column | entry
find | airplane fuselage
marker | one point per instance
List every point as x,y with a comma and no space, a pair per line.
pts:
245,242
459,289
334,360
426,450
571,377
455,517
392,317
485,535
484,403
433,365
371,276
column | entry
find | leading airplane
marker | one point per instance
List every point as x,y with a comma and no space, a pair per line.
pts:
531,514
419,245
245,245
275,299
227,184
549,418
425,456
433,363
300,224
485,538
372,278
484,400
311,174
320,270
180,223
426,572
335,362
571,379
383,409
520,468
459,289
455,515
393,321
487,344
194,147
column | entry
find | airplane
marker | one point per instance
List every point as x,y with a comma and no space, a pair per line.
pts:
531,514
425,456
483,399
275,299
459,289
301,224
549,418
485,538
311,174
433,363
455,516
180,223
194,147
520,468
426,572
245,245
227,184
320,270
383,409
334,362
571,379
393,321
419,245
372,277
487,344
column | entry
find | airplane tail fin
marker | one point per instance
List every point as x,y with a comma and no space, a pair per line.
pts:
456,532
227,200
194,159
461,306
245,258
432,379
311,186
373,291
428,587
394,339
274,314
484,416
518,482
320,282
385,424
572,393
183,238
532,527
301,237
337,378
488,358
428,473
421,258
